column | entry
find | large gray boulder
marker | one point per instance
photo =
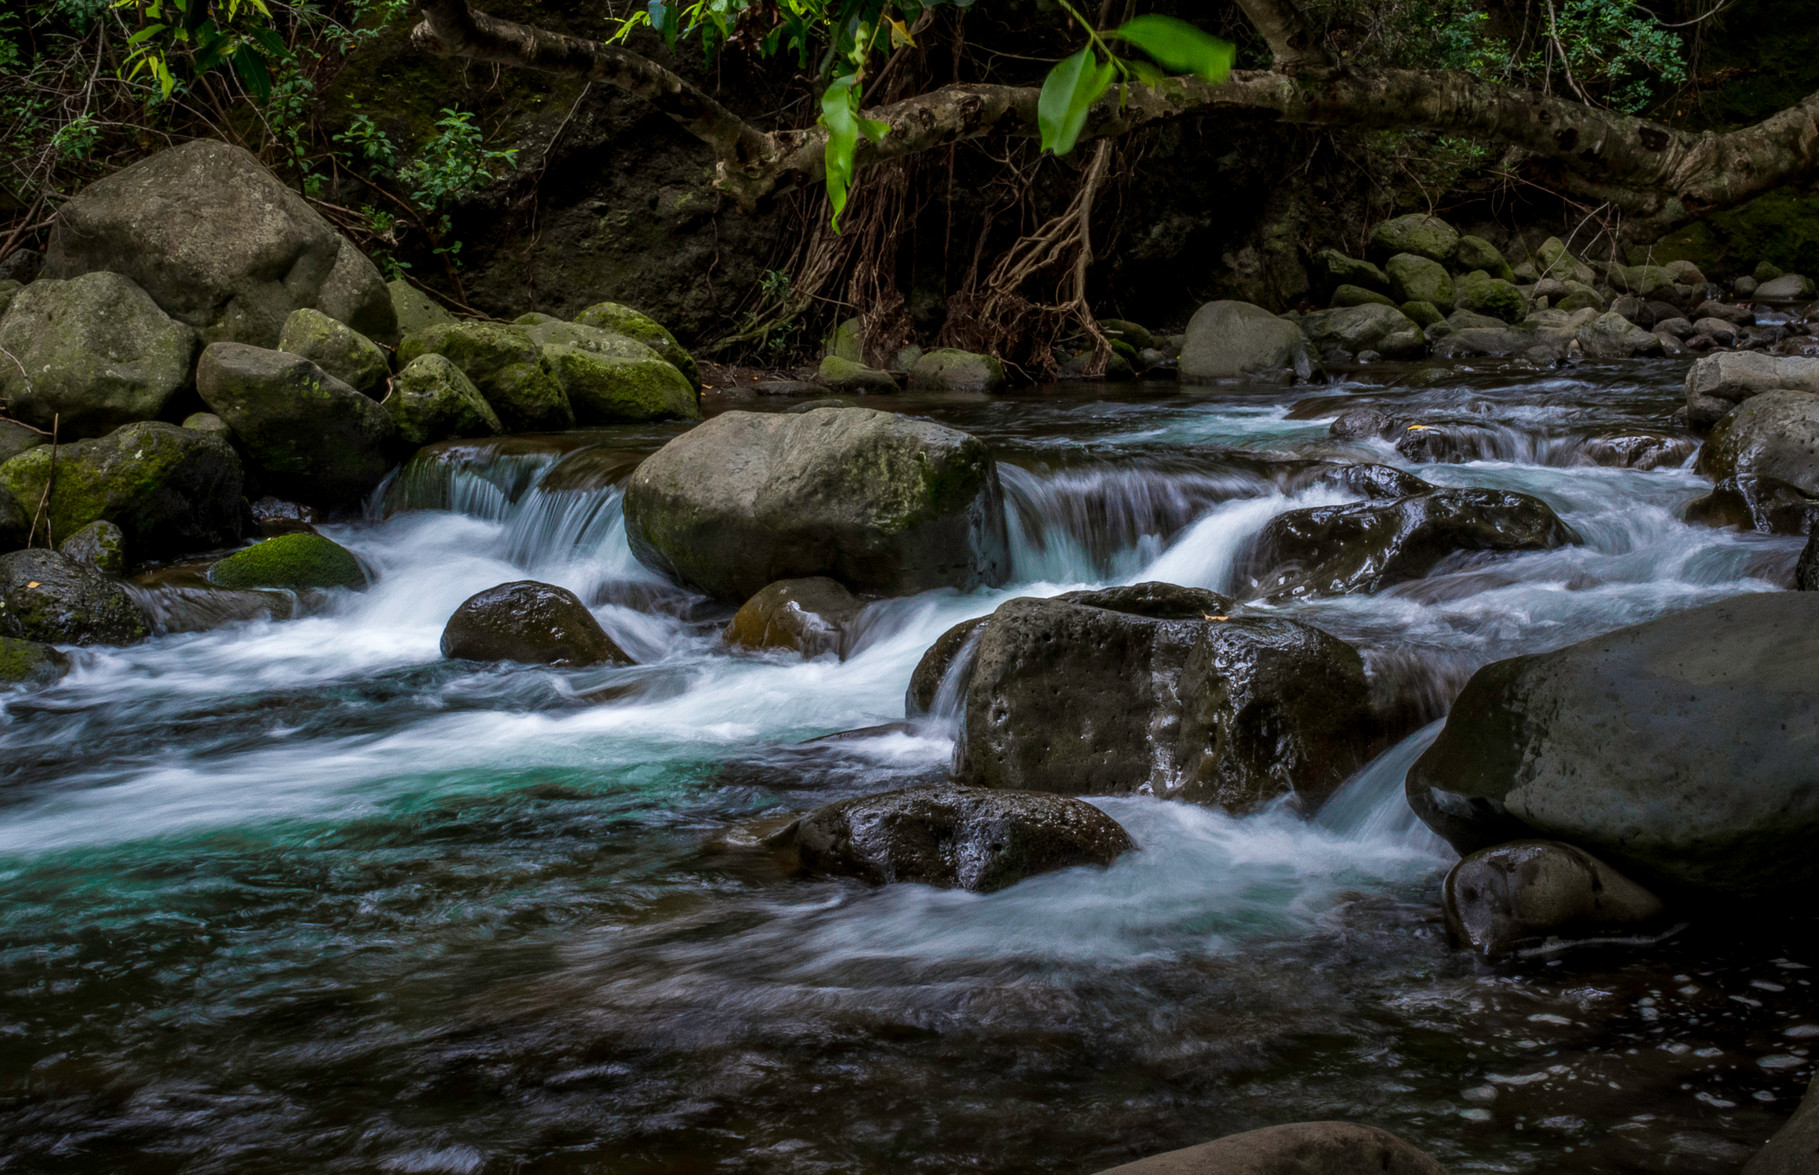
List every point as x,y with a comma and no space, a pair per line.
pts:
1612,336
1231,340
221,244
338,349
309,435
170,490
880,502
1676,750
1424,236
1763,459
952,837
51,598
1794,1150
1300,1148
1717,383
1157,689
1368,546
947,369
1522,894
91,353
1383,329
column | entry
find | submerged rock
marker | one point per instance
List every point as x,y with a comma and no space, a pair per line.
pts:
505,364
338,349
101,545
51,598
1157,689
99,352
1764,460
221,244
1230,340
431,400
29,662
880,502
1301,1148
952,837
808,616
1675,750
308,434
530,622
170,490
292,561
1369,546
1503,899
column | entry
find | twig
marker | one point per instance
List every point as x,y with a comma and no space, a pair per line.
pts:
44,500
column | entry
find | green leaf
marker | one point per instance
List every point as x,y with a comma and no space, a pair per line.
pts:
840,115
252,71
1068,94
145,34
1180,47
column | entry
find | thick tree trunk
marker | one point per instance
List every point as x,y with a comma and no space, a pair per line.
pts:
1658,172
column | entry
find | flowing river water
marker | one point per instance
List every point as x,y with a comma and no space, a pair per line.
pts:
302,896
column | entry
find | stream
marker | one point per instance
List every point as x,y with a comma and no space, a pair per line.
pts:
303,896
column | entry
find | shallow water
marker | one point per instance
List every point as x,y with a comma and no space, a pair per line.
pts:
301,896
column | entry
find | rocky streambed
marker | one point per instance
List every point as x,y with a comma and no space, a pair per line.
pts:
303,893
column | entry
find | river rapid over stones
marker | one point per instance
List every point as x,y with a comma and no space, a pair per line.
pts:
304,895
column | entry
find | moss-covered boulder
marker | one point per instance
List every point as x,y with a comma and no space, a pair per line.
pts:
15,523
1612,336
170,490
505,364
1349,295
846,342
1481,293
1424,236
644,329
209,423
99,351
1645,281
309,435
16,438
844,375
880,502
338,349
947,369
1553,259
9,289
529,622
1383,329
1422,314
414,309
49,597
432,400
101,545
220,243
1333,269
29,663
1419,279
294,561
609,389
1478,253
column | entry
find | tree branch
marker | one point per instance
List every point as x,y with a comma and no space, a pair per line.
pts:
1293,42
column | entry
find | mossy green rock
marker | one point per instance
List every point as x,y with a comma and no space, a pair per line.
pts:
432,400
293,561
1424,236
598,340
208,422
1124,330
338,349
1415,278
1642,280
609,389
626,321
49,597
15,523
1478,253
1383,329
1335,269
1423,314
8,289
1359,296
1555,260
845,375
309,436
1481,293
99,353
101,545
534,318
951,370
846,342
16,438
505,364
29,662
1766,271
415,309
170,490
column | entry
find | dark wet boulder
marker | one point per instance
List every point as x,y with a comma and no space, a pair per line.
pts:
951,837
530,622
947,369
643,329
1716,384
1763,459
1357,424
1452,442
432,400
883,503
16,438
1232,340
506,365
1806,568
1521,894
1638,450
100,353
1331,550
308,434
29,663
1157,689
15,523
1794,1149
170,490
51,598
1424,236
938,661
338,349
292,561
101,545
1675,750
221,244
1378,483
810,616
1300,1148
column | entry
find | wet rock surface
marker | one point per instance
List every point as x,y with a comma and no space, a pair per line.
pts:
1301,1148
530,622
1764,460
53,599
291,561
808,616
1522,894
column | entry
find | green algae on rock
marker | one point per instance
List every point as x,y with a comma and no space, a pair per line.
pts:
295,561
